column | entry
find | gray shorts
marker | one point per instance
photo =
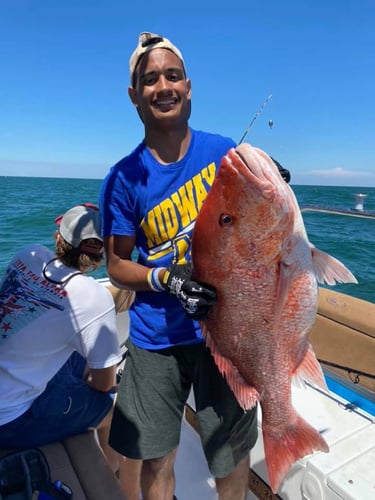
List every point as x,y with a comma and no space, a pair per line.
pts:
150,404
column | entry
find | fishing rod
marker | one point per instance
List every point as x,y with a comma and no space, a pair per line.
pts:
354,375
255,117
347,406
369,214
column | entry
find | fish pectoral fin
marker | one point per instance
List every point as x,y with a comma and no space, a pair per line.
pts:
246,395
286,274
309,369
329,270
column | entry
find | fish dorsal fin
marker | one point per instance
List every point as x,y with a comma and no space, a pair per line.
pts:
309,369
329,270
246,395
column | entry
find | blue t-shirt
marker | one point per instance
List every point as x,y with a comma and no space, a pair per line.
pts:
158,204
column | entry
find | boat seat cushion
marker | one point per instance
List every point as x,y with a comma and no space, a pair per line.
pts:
80,464
344,335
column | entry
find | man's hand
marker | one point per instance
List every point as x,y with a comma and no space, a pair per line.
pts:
196,298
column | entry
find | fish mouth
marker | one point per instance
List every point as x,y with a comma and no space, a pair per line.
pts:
253,164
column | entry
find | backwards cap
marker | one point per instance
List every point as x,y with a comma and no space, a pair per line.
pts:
80,223
149,41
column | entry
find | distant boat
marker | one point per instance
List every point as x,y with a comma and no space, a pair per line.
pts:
357,211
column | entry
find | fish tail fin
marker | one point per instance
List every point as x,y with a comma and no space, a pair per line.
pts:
329,270
298,439
310,370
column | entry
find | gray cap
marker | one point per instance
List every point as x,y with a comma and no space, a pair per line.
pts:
80,223
149,41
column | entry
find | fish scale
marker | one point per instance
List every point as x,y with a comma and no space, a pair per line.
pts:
250,243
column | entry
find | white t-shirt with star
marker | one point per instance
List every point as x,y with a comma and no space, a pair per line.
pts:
42,323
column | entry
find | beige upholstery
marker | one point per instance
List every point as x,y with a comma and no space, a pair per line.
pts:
344,334
79,462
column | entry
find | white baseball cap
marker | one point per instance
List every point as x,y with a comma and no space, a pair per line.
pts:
149,41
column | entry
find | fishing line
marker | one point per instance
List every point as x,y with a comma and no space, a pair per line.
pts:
255,117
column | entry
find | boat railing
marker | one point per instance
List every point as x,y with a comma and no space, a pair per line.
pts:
351,212
357,211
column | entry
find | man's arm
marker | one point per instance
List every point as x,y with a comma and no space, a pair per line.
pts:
123,272
195,298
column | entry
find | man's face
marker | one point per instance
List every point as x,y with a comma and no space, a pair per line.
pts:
161,93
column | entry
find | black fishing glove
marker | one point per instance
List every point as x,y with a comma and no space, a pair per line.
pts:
196,298
285,174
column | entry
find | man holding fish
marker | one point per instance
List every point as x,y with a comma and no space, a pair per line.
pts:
151,200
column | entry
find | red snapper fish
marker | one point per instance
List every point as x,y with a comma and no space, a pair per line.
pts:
250,243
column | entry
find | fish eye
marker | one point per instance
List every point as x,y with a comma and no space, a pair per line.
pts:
225,220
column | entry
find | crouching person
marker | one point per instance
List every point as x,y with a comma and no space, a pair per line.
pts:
58,342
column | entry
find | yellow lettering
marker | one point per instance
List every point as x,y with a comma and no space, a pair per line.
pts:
173,214
208,173
200,190
180,248
151,226
171,223
186,205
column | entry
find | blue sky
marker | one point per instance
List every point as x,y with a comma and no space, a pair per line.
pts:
64,109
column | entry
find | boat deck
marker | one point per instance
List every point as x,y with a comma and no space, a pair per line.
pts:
346,472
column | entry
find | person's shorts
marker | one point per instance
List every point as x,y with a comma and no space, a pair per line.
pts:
68,406
150,403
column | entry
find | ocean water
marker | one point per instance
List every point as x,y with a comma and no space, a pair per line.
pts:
29,205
